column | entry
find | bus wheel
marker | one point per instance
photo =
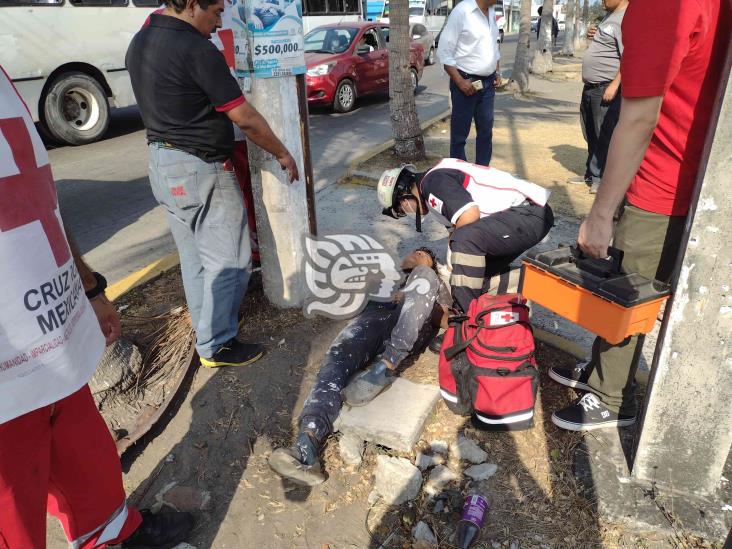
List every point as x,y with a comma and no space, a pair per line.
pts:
75,109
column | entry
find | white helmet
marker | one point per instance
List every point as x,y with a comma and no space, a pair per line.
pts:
392,187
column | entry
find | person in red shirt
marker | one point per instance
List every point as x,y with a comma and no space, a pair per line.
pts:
671,78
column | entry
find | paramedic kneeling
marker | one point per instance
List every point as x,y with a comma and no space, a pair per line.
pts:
493,217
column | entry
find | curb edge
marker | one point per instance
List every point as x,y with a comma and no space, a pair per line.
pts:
158,267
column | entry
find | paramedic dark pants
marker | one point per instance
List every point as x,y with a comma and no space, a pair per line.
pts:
390,329
650,242
487,247
598,123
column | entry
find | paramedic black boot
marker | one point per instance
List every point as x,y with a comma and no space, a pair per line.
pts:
162,530
589,413
576,377
367,385
299,463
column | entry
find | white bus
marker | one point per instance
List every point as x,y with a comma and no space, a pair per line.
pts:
67,57
67,60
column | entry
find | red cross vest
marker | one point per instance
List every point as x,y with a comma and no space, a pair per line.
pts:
50,341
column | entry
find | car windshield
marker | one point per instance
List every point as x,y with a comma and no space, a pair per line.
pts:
416,11
329,40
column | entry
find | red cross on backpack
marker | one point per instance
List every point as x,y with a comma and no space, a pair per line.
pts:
487,364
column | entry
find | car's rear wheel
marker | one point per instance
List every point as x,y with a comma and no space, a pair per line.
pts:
431,57
345,96
414,77
75,109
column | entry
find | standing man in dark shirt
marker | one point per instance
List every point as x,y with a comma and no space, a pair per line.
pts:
188,100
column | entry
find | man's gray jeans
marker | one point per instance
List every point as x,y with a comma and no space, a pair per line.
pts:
206,213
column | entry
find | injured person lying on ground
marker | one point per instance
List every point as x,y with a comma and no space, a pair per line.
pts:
492,217
383,335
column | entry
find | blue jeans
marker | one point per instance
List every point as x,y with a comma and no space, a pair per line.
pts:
465,109
205,210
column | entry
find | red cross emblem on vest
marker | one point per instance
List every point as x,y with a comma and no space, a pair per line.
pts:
30,195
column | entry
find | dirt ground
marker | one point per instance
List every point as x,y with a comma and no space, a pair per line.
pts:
218,438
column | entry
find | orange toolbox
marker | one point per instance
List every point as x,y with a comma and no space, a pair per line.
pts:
593,293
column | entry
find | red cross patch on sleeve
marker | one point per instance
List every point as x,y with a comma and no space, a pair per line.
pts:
434,203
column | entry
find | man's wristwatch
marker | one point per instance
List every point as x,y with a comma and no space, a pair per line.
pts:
99,288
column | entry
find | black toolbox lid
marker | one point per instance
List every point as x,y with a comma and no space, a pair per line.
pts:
603,277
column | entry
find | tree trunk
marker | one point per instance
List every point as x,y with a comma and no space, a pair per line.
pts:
408,140
569,22
580,28
509,16
520,75
586,13
542,61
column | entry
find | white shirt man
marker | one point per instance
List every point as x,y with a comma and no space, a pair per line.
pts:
469,51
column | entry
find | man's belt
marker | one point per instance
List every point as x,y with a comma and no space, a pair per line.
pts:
592,86
469,76
163,144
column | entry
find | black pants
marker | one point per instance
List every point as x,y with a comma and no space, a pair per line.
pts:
387,329
487,247
598,123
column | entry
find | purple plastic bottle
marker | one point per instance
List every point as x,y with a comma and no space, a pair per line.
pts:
473,517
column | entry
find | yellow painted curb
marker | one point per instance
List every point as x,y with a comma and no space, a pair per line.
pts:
387,144
149,272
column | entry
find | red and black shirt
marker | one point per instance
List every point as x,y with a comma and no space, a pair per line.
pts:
183,88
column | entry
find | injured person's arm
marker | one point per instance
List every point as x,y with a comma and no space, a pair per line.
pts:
419,299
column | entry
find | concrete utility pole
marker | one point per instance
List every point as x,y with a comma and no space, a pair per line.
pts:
686,430
281,208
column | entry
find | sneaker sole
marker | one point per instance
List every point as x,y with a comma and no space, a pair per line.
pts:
572,426
567,382
214,364
289,469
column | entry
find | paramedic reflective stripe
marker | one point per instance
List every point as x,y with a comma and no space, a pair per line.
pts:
501,420
109,530
472,282
468,260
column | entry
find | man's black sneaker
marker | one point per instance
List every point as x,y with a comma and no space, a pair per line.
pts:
367,385
234,353
580,180
288,463
576,378
436,344
589,413
160,530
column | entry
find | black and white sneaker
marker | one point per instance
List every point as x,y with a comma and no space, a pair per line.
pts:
589,413
576,378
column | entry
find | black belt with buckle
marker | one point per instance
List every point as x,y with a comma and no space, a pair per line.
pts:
469,76
592,86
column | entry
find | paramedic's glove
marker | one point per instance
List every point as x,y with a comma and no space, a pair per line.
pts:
594,235
107,317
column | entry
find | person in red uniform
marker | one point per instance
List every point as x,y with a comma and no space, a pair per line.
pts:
671,78
56,452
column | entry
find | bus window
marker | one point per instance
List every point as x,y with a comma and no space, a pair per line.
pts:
31,2
98,3
147,3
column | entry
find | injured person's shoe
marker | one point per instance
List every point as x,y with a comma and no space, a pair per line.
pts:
164,529
436,344
299,463
367,385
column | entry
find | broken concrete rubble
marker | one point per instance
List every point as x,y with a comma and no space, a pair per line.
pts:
397,480
465,449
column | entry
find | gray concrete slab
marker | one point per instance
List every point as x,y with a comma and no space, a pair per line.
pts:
394,419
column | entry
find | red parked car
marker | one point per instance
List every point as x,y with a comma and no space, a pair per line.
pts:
347,60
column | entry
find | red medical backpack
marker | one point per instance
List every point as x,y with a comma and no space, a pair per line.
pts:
487,364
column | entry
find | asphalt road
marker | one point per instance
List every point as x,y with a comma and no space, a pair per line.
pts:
105,196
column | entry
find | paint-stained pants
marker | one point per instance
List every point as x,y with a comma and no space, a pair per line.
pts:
62,459
487,247
392,330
